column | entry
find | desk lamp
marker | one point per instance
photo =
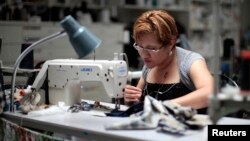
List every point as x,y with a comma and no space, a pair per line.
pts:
82,40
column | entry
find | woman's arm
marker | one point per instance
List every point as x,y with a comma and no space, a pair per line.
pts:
204,84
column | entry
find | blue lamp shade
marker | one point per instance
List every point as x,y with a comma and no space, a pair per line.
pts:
83,41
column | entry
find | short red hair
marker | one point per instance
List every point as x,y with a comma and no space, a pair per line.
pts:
159,22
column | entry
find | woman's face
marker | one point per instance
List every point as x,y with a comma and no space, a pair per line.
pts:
151,50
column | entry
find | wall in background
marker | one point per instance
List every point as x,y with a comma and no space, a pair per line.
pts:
13,34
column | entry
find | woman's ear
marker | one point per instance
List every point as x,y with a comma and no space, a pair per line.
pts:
172,43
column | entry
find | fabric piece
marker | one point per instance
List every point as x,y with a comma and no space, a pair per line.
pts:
148,120
162,116
10,131
85,106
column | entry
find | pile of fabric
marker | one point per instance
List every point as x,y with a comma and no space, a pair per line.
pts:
10,131
163,116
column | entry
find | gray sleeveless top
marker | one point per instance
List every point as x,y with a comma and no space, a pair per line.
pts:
185,59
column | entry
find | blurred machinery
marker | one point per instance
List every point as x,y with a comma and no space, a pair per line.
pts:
228,99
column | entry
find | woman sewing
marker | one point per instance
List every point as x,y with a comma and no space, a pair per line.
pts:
170,72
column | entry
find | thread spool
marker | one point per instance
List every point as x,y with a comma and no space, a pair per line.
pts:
105,16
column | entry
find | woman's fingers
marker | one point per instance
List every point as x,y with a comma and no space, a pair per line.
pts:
129,87
132,97
132,93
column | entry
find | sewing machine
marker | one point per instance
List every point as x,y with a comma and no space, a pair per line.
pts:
66,76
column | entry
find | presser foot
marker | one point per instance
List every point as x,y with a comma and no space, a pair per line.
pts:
117,104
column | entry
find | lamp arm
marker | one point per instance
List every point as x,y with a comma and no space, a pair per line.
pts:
22,55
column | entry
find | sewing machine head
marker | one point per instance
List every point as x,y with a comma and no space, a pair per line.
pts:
65,77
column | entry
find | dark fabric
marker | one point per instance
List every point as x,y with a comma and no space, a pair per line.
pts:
202,111
135,108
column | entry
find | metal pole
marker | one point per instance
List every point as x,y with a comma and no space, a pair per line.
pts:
216,35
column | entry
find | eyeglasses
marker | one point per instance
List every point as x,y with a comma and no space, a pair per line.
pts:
149,50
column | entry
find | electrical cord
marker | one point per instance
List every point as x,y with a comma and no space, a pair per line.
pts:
228,78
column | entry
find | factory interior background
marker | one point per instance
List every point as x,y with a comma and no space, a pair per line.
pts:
24,21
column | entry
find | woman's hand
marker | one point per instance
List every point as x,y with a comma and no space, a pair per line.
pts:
132,94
